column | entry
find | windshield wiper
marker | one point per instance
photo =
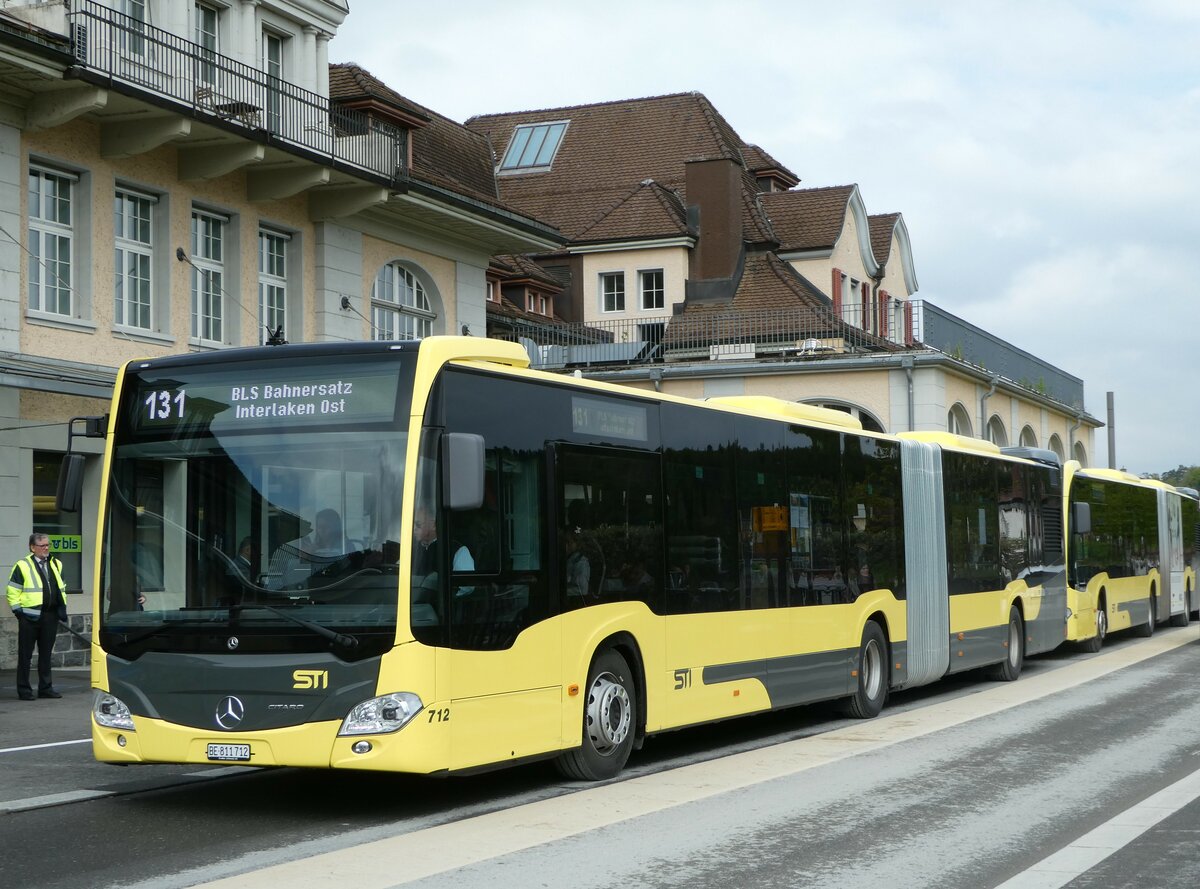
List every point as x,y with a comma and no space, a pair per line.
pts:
165,625
324,632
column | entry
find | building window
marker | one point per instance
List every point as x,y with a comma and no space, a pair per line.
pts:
612,292
132,36
51,237
493,292
272,283
272,66
1028,438
1079,452
1055,444
207,37
995,432
651,286
133,227
958,421
400,309
208,274
64,528
537,303
533,146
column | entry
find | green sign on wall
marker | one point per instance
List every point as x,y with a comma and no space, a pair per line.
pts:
66,544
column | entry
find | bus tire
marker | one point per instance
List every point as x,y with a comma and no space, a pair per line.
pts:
868,699
1097,642
1182,620
1010,668
609,714
1146,629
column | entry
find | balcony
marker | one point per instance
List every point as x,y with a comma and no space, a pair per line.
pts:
128,55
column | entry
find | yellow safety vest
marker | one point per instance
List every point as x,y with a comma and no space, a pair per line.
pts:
29,594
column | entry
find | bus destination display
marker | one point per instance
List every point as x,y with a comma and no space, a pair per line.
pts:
226,402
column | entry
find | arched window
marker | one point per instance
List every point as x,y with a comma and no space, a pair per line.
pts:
958,421
869,422
400,308
1056,445
1028,438
1080,453
995,432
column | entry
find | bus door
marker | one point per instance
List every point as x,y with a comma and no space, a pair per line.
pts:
1170,530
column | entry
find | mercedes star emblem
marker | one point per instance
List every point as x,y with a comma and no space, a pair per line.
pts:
232,643
230,712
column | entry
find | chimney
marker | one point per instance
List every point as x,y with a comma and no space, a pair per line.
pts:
714,197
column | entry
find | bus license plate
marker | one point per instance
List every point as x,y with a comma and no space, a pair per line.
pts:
229,752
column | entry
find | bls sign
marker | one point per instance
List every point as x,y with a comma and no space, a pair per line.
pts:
310,679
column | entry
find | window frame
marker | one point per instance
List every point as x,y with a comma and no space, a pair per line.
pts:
36,291
124,246
522,138
205,267
604,294
644,291
274,282
420,319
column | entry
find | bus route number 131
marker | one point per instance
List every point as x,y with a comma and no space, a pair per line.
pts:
165,405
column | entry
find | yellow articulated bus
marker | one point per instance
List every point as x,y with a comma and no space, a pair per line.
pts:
1127,558
425,557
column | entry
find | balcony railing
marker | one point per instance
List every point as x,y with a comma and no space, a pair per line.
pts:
716,334
209,86
801,333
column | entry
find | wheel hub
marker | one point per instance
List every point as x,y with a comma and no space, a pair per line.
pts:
609,714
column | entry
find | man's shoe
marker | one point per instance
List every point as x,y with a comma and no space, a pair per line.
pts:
49,694
25,697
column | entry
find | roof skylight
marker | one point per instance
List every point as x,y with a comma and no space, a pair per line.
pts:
533,146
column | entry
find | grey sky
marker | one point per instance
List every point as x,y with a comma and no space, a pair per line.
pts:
1043,153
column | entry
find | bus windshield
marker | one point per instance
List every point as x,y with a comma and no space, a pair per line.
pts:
259,501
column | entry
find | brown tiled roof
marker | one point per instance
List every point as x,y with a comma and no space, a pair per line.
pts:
648,211
808,218
883,226
514,267
607,149
759,162
444,153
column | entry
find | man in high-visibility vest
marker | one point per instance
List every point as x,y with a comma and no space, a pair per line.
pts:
35,594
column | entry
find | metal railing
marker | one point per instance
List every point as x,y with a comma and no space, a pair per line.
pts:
803,333
236,96
716,334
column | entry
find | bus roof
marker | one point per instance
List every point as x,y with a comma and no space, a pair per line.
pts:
788,410
953,442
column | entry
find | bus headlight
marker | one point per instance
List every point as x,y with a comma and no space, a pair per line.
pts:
111,712
387,713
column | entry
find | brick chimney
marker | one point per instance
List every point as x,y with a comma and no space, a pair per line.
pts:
714,199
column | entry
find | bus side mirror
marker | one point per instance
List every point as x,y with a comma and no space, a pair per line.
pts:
1081,518
462,470
70,483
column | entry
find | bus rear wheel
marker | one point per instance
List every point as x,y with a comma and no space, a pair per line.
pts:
868,699
1010,668
609,711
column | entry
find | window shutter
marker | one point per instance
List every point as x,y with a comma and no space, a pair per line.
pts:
884,315
835,292
908,324
867,320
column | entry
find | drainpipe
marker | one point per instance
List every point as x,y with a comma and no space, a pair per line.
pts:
907,364
656,376
983,417
1071,436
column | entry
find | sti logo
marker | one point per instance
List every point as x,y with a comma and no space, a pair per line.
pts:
310,679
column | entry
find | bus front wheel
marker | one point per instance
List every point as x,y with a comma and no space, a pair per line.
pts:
1010,668
1097,642
609,711
868,699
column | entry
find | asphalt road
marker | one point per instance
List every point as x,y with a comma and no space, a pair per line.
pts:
965,783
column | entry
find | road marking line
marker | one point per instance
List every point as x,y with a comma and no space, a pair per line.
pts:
51,799
447,847
1057,870
42,746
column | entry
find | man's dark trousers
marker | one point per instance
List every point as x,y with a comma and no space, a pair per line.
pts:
42,632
